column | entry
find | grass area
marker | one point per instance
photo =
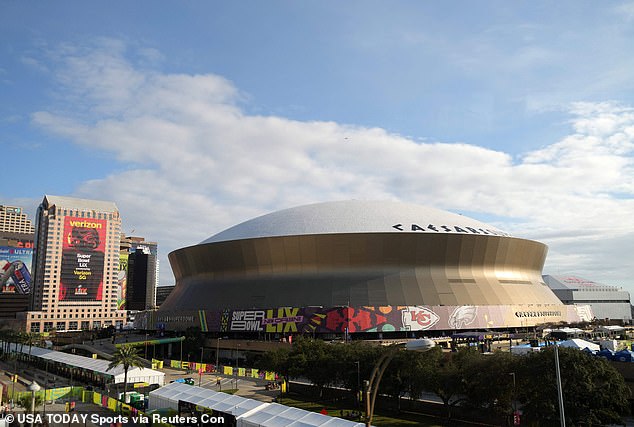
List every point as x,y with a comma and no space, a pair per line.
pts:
379,420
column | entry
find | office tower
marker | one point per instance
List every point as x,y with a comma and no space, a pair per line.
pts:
142,273
162,292
76,265
14,220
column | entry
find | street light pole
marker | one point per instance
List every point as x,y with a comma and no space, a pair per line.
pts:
45,385
358,383
560,395
200,368
372,388
14,378
217,352
33,388
237,367
513,407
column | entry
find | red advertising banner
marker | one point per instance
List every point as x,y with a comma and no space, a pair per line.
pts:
83,255
15,266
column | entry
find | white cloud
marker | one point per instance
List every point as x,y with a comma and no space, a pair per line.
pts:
624,11
197,163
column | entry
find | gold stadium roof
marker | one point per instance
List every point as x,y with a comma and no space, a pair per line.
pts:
355,216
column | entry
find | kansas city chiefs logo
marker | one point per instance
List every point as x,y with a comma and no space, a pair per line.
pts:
419,318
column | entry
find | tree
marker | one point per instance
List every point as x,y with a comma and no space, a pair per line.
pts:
489,382
7,336
127,356
348,373
194,341
593,391
22,338
418,370
31,338
275,361
397,375
278,361
315,360
25,401
448,379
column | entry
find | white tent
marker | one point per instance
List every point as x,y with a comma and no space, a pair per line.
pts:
169,395
580,344
98,366
524,349
248,412
276,415
138,375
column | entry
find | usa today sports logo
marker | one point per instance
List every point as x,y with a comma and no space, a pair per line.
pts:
100,419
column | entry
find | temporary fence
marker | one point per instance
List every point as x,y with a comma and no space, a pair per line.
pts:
226,370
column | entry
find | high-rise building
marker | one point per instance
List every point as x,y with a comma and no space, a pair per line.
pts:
162,292
14,220
76,265
142,273
16,259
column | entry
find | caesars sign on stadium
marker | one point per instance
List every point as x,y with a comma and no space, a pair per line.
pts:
360,266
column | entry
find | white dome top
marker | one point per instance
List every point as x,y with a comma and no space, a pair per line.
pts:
355,216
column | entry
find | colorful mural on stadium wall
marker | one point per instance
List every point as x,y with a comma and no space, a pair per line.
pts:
309,320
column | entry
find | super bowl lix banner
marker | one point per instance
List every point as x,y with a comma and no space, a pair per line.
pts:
82,259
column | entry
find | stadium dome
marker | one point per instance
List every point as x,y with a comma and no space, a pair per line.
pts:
358,253
354,217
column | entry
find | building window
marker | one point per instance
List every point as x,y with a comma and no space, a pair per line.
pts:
60,326
72,325
85,324
35,327
48,326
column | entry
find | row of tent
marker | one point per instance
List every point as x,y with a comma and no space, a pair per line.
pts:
596,350
98,367
587,346
571,343
618,356
240,411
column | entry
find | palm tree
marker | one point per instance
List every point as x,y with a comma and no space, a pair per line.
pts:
127,356
31,339
21,338
5,336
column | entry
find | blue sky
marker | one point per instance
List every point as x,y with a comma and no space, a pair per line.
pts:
194,116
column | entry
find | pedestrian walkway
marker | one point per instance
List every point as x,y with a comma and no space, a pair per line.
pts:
27,374
253,388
